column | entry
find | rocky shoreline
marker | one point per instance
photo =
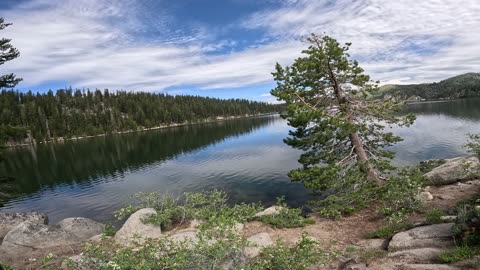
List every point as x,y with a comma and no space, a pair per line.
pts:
26,237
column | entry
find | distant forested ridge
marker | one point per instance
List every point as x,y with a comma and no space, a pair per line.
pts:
69,113
462,86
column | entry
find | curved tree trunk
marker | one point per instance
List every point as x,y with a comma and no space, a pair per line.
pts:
356,140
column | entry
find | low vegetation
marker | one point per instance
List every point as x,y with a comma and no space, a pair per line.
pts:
211,208
209,252
388,231
286,218
473,145
434,216
218,244
459,253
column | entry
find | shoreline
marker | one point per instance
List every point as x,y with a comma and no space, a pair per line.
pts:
204,121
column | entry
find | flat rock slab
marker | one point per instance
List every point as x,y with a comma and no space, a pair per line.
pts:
372,244
428,267
454,170
82,228
9,220
40,236
418,255
135,229
270,211
437,235
258,242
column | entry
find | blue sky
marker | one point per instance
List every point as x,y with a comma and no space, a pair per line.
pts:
227,48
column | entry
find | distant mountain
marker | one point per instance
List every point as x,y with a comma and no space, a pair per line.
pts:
462,86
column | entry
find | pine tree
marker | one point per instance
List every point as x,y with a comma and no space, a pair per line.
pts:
7,53
338,126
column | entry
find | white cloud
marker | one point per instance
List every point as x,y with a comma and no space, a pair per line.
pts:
407,41
96,44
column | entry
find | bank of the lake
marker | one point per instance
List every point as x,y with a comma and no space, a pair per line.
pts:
244,157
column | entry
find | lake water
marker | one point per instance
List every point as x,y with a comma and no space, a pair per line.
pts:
244,157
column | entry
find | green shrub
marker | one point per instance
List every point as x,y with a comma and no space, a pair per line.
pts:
428,165
210,207
302,256
473,144
459,254
4,266
215,249
467,225
286,218
109,230
390,230
434,216
399,196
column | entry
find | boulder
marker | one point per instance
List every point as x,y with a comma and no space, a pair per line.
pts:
82,228
257,242
135,229
454,170
428,267
425,196
437,235
37,236
273,210
10,220
418,255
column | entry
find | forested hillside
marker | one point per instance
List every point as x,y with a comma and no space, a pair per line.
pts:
69,113
462,86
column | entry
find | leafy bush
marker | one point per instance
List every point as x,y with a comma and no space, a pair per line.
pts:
210,207
347,196
399,196
428,165
286,218
467,225
434,216
459,253
390,230
302,256
473,144
4,266
219,249
109,230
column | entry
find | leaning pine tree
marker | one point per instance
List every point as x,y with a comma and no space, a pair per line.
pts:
338,125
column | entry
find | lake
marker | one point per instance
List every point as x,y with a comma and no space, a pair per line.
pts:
244,157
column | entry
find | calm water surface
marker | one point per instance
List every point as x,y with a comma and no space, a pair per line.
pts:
244,157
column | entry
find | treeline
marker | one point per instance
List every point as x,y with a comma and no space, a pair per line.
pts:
68,113
462,86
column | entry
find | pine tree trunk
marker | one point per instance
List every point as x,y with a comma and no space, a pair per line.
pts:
356,140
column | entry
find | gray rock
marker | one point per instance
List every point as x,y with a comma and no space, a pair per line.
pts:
37,236
82,228
454,170
372,244
135,229
184,236
448,218
418,255
437,235
425,196
428,267
10,220
272,210
257,242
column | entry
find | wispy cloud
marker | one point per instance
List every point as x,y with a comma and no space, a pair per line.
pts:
128,45
405,41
